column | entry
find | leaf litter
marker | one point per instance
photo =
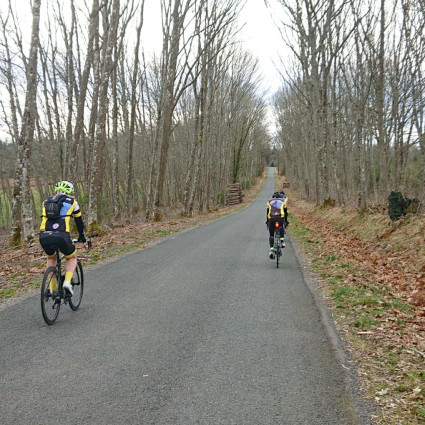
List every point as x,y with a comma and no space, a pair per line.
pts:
372,277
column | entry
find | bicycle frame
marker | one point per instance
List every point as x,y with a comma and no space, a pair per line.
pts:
60,293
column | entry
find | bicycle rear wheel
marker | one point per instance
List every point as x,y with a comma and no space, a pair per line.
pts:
49,305
277,249
277,257
77,287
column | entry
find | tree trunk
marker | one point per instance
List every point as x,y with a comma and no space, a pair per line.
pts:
131,203
95,180
168,111
22,212
79,121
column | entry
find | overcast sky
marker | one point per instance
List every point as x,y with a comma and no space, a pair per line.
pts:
263,39
259,35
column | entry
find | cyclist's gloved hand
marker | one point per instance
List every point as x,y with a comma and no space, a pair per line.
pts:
82,238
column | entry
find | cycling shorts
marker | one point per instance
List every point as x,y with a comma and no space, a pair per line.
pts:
281,221
52,241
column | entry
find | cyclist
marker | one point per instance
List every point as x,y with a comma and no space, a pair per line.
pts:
276,213
285,208
57,211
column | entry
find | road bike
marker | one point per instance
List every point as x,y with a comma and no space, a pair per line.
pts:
53,295
277,243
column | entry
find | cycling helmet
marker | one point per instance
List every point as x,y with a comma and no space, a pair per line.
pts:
282,193
276,195
65,187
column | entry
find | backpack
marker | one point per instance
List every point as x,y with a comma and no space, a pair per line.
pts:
276,206
53,206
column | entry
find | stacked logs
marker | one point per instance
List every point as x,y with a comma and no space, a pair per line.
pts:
234,194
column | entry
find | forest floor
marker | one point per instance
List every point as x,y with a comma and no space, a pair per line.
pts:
371,273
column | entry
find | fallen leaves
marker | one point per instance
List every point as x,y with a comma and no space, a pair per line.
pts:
384,332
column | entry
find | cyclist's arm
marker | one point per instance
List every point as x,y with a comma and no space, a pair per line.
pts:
78,221
80,225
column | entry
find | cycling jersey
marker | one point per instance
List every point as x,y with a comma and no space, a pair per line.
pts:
70,208
275,207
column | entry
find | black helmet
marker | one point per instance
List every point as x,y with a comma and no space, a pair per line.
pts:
276,195
282,193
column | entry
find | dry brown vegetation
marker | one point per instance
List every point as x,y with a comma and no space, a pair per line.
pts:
372,274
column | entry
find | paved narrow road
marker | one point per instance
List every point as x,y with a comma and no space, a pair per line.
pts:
198,329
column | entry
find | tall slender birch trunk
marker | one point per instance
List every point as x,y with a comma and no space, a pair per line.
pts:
22,211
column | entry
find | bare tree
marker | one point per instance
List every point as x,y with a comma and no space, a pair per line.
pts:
22,222
100,134
130,198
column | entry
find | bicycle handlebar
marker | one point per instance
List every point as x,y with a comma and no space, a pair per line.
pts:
88,240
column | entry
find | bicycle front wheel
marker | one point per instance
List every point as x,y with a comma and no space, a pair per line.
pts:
50,301
77,287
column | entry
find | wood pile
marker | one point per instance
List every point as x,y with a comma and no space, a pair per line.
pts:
234,194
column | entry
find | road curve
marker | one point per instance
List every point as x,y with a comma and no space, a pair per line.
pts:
201,328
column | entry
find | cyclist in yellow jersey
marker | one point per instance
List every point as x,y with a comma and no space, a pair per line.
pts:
276,213
285,208
57,211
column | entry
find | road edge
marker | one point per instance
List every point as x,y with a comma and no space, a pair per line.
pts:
363,409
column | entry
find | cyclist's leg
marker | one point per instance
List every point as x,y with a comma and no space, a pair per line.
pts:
271,232
271,239
70,265
47,243
282,232
68,249
282,228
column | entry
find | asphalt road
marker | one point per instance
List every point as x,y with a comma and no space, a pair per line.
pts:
201,328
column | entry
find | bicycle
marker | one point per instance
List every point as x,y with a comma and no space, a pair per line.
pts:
52,293
277,244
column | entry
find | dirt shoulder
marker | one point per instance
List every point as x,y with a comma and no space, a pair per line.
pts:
372,277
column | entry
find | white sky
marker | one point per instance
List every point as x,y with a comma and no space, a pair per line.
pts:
263,39
259,35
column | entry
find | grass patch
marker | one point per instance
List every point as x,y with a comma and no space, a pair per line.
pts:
341,292
374,322
364,323
18,289
164,232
